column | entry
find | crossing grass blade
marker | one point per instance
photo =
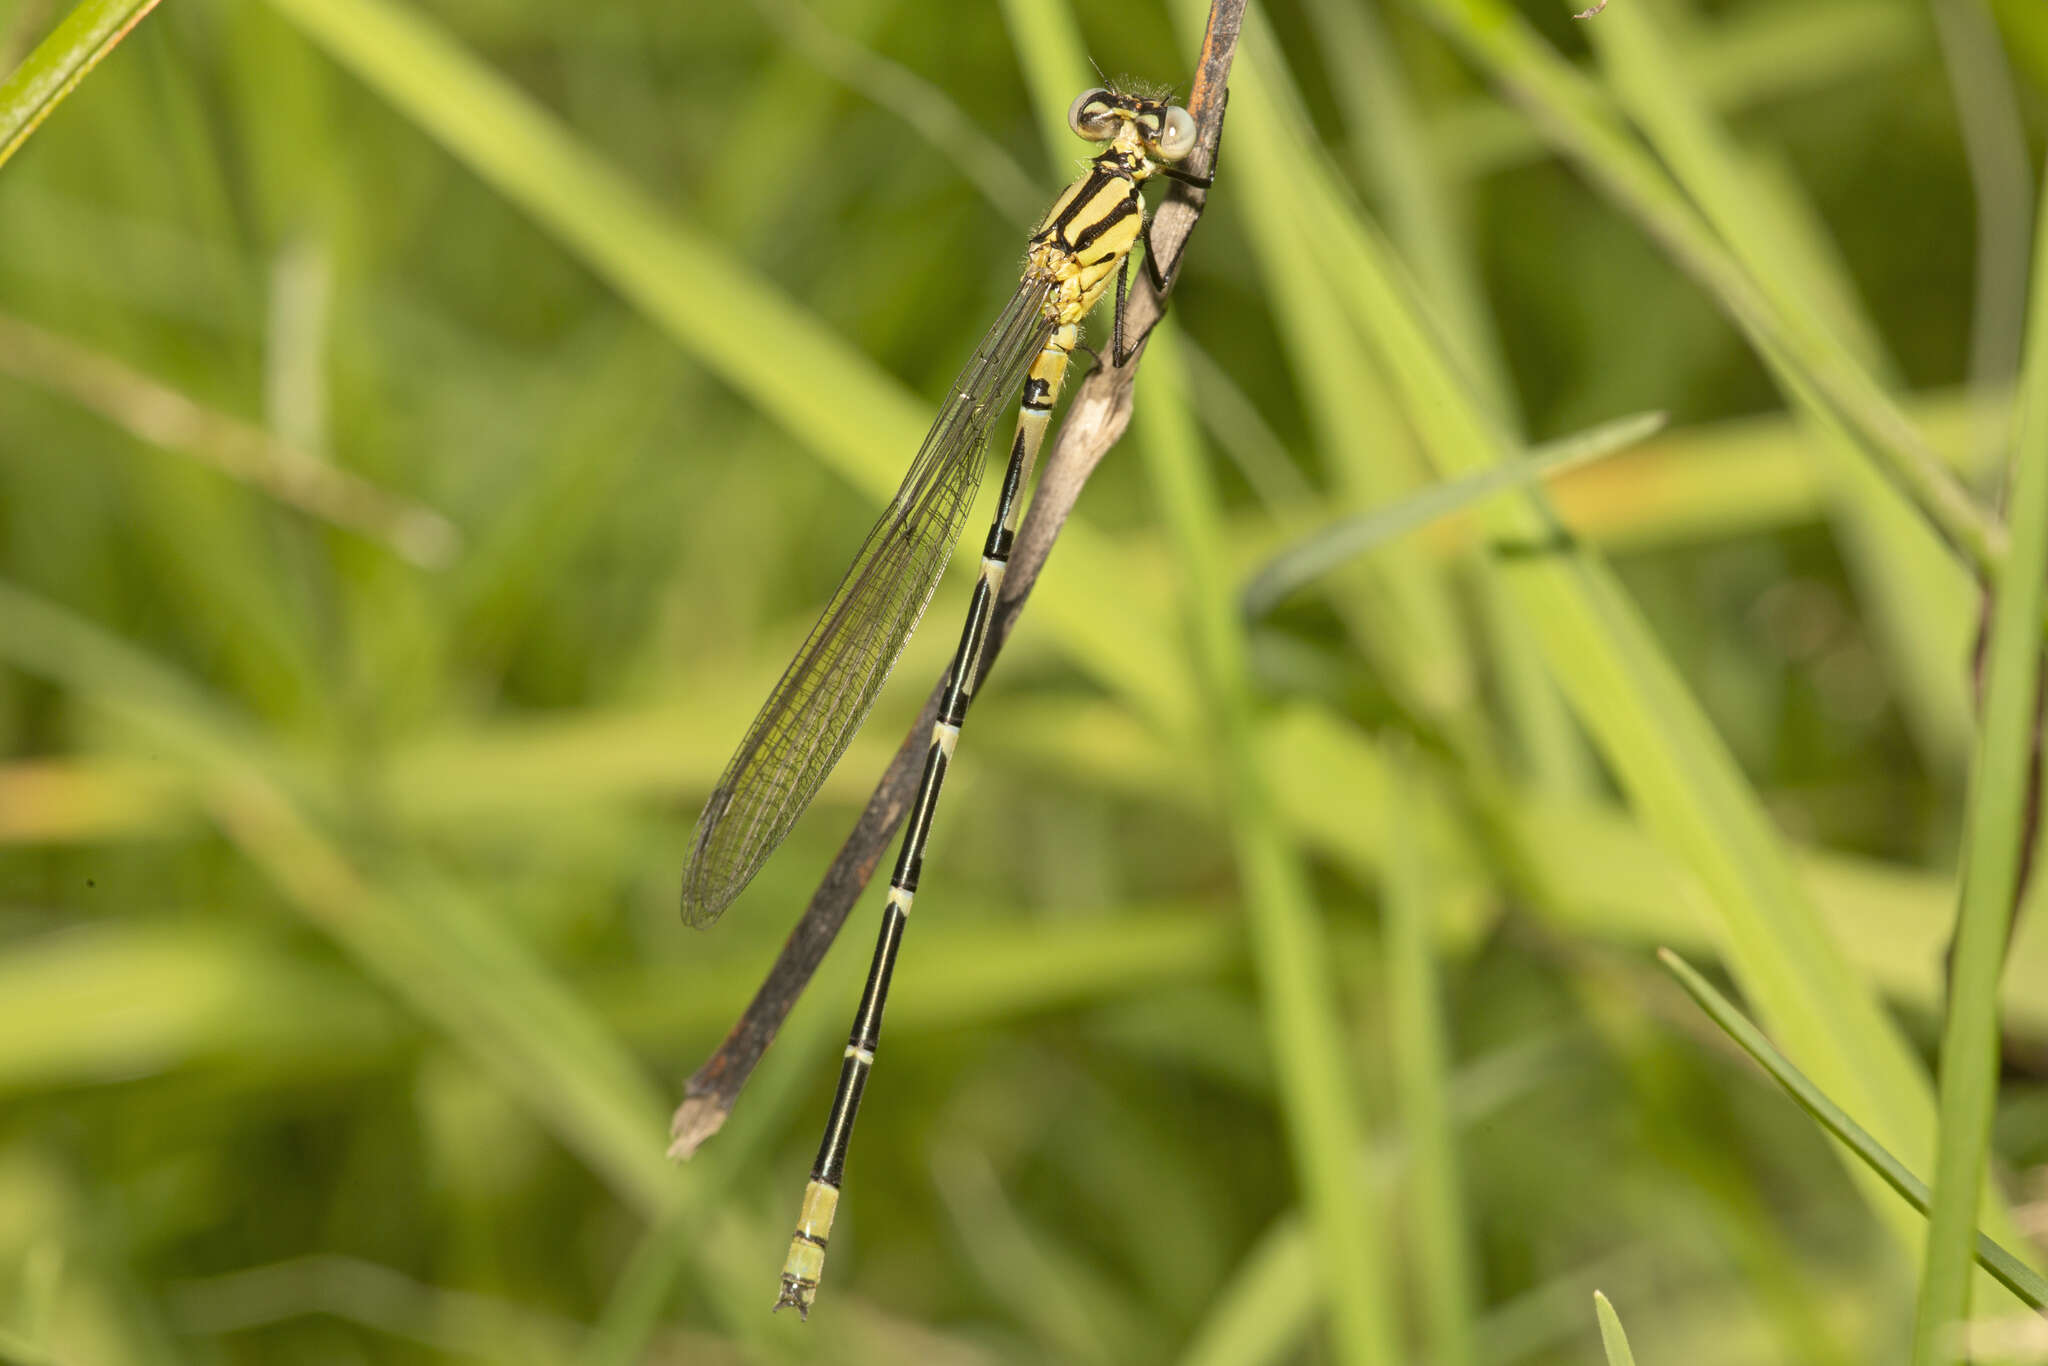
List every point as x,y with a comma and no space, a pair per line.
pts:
1427,221
1288,572
1588,130
1678,775
1388,140
2001,828
1289,952
2013,1273
1417,1029
1920,596
1753,60
920,104
1266,1309
460,970
36,87
161,416
1399,609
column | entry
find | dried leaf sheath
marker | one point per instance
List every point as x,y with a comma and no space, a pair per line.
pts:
825,693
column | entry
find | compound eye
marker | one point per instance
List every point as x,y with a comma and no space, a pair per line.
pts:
1089,116
1177,139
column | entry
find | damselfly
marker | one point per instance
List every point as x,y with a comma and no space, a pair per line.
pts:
1082,246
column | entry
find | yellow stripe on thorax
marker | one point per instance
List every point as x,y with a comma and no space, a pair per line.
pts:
1113,195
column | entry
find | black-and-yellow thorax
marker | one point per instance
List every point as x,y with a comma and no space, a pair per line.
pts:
1092,226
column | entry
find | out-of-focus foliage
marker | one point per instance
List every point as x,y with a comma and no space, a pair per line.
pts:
426,430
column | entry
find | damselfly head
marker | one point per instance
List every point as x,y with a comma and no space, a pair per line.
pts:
1166,131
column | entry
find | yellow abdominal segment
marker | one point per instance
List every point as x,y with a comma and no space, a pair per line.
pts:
806,1261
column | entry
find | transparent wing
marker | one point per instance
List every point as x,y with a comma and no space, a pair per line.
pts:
822,698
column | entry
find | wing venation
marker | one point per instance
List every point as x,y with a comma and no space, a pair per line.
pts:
823,696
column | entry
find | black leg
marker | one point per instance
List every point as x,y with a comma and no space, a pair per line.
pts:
1159,282
1123,275
1198,182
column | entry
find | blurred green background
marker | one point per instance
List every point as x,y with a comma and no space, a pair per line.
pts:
426,430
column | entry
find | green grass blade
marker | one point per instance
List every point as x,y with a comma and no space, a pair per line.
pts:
1612,1339
1386,132
1429,221
1401,606
2013,1273
1988,114
1916,590
668,1248
1678,773
738,326
458,968
1587,131
922,106
1055,61
1435,1203
1355,536
1261,1316
1997,836
154,413
1290,951
59,63
1745,60
715,306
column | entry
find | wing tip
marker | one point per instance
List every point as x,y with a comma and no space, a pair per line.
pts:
704,894
700,912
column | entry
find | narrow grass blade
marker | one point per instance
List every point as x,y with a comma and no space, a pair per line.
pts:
1261,1316
2011,1272
1997,835
1400,609
1289,946
56,67
919,103
1920,599
457,968
1587,131
1743,61
1055,61
1677,772
1612,1338
1390,148
669,1248
379,1301
1429,223
721,311
1435,1203
734,322
1355,536
159,415
1028,1270
1994,137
